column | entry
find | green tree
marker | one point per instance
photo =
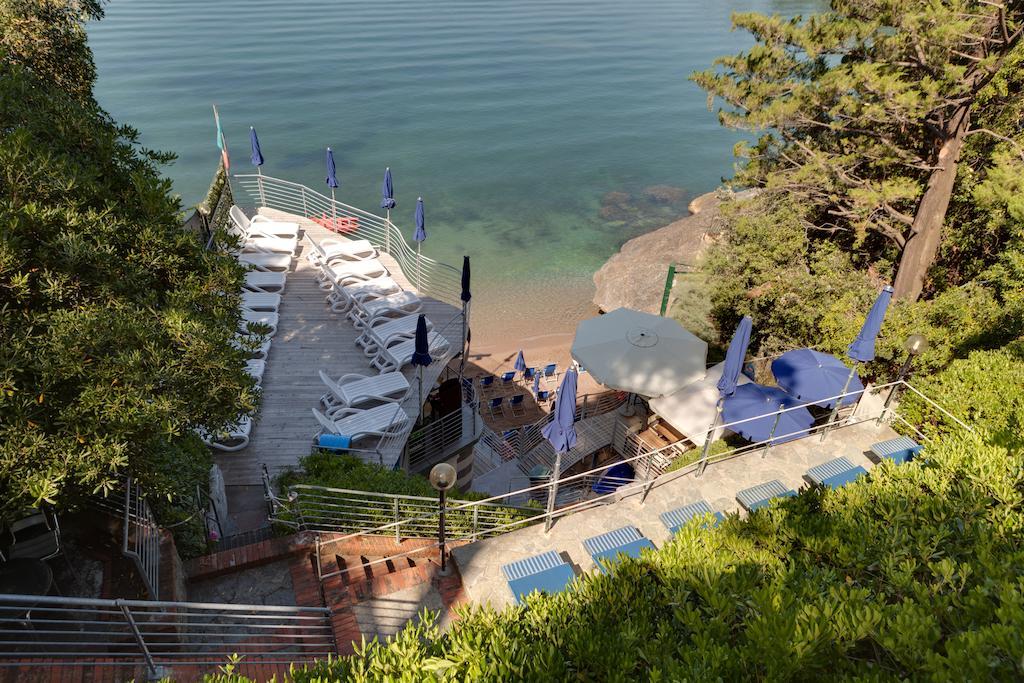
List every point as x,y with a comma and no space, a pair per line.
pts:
869,107
115,324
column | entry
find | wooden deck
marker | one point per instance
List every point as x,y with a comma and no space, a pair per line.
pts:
310,338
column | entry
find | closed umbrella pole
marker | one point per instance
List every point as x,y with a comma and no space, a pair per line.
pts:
771,434
465,296
727,382
418,237
862,349
332,182
561,433
257,161
387,202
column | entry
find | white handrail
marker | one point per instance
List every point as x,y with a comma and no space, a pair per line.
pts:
433,278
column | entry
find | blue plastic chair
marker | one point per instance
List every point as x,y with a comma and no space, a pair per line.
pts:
516,405
543,396
528,373
495,404
550,370
508,377
486,383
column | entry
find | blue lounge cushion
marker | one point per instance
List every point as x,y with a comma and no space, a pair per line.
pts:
531,565
552,580
676,519
612,539
899,450
835,473
334,442
606,559
757,497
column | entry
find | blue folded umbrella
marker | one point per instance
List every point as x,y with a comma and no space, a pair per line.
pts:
815,377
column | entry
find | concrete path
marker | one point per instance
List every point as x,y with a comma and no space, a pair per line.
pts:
480,562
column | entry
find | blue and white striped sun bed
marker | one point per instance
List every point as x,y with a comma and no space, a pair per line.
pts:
607,548
676,519
899,450
546,573
835,473
757,497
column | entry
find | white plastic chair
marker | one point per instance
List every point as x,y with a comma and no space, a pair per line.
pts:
261,226
394,305
327,250
397,353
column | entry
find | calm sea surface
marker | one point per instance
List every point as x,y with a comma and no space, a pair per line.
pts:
542,134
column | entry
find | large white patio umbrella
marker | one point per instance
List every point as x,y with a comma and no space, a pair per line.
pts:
639,352
692,409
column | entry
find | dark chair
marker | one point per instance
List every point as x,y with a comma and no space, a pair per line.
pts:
516,405
495,405
528,374
35,537
507,378
550,370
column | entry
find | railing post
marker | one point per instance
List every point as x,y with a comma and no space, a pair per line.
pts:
154,673
476,516
305,208
398,526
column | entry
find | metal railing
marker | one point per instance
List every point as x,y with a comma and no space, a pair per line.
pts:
37,630
347,511
652,468
141,538
140,531
430,277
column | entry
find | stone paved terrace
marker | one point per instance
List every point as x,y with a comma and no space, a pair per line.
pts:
310,337
480,563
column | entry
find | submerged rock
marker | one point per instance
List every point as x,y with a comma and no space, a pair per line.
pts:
617,206
635,276
665,194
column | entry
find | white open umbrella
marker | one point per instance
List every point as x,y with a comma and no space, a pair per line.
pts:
639,352
691,409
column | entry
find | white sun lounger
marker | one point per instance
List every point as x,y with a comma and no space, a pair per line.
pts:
378,331
265,282
397,353
344,273
341,299
354,389
394,305
234,438
261,226
256,368
357,423
278,245
326,250
261,318
265,262
259,301
254,346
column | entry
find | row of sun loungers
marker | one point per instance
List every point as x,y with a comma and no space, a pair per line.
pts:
359,407
549,573
267,247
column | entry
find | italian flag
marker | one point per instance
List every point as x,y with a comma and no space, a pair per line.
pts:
222,145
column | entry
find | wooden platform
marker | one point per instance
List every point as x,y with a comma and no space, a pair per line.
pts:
310,338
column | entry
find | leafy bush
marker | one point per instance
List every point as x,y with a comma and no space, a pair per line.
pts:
911,573
984,390
114,322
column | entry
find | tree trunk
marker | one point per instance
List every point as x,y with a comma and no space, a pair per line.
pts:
926,231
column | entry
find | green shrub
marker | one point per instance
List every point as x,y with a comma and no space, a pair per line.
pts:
911,573
986,390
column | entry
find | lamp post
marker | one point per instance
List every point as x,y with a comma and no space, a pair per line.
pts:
915,345
442,478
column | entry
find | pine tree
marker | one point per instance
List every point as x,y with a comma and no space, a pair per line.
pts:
867,108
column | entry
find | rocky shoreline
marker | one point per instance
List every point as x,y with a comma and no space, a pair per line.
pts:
635,276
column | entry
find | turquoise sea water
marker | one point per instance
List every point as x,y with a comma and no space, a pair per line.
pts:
541,133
